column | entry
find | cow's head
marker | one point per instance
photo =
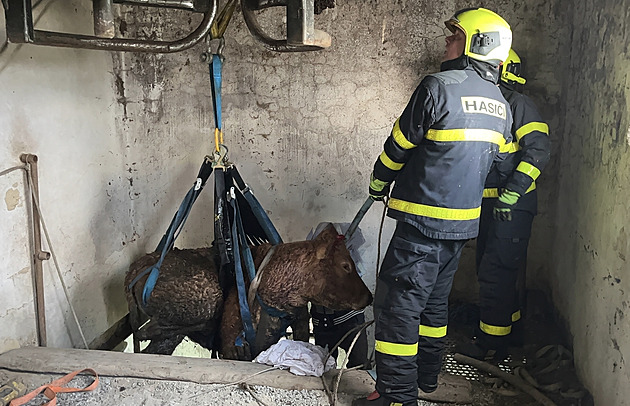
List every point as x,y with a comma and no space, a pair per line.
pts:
337,285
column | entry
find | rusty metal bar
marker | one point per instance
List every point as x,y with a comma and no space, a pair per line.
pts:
38,254
103,19
24,33
301,33
193,5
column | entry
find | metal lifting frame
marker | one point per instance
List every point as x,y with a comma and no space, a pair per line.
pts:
301,32
19,21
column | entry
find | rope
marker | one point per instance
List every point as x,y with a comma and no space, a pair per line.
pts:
14,168
29,181
54,257
235,383
359,330
57,386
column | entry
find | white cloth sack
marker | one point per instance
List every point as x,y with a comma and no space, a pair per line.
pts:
299,357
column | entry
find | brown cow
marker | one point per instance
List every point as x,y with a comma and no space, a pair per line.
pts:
319,271
186,300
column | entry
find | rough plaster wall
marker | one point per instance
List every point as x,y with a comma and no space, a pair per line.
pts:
57,103
590,281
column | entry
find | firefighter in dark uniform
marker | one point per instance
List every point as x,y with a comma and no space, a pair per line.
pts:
439,153
507,212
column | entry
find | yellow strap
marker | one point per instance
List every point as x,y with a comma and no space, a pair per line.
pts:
442,213
400,138
400,350
216,139
516,316
494,192
394,166
433,332
531,127
528,169
221,22
495,330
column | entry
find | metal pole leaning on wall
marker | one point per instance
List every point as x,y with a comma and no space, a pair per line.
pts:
38,254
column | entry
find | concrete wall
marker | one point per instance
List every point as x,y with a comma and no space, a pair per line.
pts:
591,249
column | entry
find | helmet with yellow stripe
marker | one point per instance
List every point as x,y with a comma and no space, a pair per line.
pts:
488,35
511,70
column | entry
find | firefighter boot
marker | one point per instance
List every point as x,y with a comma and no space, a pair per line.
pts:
375,399
476,349
427,383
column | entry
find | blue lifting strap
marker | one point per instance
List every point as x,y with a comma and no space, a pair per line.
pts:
246,317
177,223
263,219
215,73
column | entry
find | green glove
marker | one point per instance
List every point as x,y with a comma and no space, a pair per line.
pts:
379,190
503,207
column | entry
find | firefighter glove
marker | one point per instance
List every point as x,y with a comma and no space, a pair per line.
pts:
503,207
379,189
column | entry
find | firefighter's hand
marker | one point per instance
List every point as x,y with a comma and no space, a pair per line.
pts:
503,207
379,190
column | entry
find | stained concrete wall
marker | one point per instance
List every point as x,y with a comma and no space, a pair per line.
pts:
591,249
120,137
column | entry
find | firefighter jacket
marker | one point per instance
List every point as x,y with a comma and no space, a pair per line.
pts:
441,148
527,155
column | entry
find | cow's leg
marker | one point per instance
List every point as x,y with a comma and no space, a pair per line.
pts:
135,321
269,331
164,346
300,327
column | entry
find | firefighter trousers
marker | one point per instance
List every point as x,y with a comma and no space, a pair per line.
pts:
501,261
411,311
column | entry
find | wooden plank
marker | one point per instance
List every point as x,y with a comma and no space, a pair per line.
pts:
149,366
452,389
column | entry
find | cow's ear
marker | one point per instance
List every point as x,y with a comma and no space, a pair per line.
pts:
328,234
321,251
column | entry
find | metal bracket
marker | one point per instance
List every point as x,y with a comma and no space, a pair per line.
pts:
301,32
19,24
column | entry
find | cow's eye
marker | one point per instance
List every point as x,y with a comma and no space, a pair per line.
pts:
346,266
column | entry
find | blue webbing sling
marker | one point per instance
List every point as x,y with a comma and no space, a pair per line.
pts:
234,248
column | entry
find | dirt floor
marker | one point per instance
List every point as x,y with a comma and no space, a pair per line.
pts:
148,380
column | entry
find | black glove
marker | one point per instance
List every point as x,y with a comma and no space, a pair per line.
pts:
379,190
503,207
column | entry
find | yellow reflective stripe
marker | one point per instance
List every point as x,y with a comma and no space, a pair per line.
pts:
510,148
531,127
433,332
434,212
495,330
528,169
494,192
516,316
466,134
402,350
400,138
377,184
394,166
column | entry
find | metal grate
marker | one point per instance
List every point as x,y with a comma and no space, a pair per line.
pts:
450,366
